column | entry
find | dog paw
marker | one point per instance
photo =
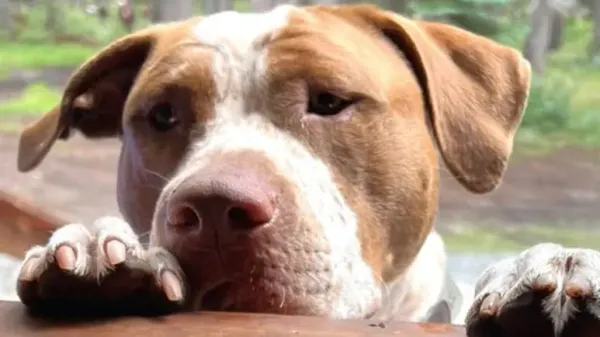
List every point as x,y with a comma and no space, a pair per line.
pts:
546,291
100,270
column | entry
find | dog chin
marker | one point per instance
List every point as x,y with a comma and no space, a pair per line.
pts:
262,296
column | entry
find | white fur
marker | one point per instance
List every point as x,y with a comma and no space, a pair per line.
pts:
425,277
512,277
80,238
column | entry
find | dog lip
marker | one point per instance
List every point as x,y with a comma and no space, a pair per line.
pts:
216,298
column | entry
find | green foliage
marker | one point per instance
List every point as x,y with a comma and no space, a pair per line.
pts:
14,55
485,17
75,23
549,104
37,98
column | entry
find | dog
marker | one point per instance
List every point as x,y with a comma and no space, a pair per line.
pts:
269,157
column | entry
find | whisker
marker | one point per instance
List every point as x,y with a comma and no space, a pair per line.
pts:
156,174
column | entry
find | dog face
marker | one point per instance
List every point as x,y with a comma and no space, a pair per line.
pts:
289,158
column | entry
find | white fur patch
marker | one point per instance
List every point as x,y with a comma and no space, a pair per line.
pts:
424,279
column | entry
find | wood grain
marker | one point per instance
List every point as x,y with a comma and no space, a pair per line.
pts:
16,321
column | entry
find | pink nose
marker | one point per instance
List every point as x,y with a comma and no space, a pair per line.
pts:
230,203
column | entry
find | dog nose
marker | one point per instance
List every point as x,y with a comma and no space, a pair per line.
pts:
230,202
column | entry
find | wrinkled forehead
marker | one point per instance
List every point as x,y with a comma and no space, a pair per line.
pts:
238,33
285,42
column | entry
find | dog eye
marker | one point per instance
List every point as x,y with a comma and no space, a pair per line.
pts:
162,118
326,104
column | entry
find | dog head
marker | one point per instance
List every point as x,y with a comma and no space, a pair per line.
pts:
289,159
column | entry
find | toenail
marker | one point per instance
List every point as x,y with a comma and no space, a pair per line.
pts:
545,283
27,270
171,286
115,251
578,288
489,305
65,257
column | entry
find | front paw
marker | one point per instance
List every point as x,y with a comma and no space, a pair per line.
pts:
546,291
100,270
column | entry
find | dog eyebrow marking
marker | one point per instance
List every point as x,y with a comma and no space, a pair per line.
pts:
240,31
239,40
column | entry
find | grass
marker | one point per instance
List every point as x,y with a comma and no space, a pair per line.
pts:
14,55
37,98
472,238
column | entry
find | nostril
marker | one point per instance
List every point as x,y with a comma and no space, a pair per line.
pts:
248,216
238,216
185,218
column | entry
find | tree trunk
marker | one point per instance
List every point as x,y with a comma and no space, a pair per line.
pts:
226,5
173,10
594,51
398,6
210,6
538,40
102,6
556,36
265,5
7,28
52,16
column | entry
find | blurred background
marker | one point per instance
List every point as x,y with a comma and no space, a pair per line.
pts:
552,188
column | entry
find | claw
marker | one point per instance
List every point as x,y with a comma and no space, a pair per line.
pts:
578,288
171,286
545,283
489,305
115,251
65,257
27,270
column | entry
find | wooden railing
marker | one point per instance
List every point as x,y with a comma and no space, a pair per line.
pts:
15,321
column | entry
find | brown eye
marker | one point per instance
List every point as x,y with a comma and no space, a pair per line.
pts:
162,118
326,104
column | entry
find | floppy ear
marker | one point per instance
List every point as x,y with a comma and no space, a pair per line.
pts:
93,99
475,90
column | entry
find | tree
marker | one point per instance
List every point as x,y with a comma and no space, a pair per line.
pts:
538,40
6,19
264,5
52,16
398,6
595,45
172,10
556,35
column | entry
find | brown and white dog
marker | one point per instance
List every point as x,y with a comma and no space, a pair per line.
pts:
287,162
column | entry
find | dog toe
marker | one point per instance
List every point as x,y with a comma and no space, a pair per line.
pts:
105,270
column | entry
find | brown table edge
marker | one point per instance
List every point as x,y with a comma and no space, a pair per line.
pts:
11,204
23,225
15,321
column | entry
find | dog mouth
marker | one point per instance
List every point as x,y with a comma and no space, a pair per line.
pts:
217,298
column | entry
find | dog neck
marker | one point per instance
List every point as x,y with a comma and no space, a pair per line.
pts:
416,294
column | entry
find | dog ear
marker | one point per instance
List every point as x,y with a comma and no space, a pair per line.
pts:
475,91
93,99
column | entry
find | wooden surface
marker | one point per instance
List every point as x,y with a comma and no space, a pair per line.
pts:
23,225
15,321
